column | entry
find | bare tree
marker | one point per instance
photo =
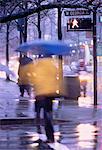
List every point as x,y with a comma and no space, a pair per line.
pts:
45,5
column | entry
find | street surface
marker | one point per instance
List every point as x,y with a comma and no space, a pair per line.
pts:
78,126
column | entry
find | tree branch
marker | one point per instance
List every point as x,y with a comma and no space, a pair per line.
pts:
28,12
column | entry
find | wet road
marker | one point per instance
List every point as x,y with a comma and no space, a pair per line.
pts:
73,135
80,128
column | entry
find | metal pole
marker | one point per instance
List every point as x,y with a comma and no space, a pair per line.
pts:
7,49
25,24
39,23
95,57
59,24
20,42
39,28
60,38
60,31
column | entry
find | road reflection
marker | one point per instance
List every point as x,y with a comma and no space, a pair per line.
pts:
84,136
87,135
72,134
24,108
85,101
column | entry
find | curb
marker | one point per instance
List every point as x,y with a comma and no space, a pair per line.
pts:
25,120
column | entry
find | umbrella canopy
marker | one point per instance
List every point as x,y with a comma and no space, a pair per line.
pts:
44,47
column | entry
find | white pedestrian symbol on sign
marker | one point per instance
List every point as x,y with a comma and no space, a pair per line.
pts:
75,23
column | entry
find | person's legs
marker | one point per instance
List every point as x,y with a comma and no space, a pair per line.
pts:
49,127
48,120
21,87
28,89
37,111
38,121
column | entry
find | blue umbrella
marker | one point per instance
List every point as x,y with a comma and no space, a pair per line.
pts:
44,47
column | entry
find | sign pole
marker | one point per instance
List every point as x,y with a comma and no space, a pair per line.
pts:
95,57
60,38
7,48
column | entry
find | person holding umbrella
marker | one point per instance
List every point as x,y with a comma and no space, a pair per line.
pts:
42,75
45,93
23,80
47,86
46,77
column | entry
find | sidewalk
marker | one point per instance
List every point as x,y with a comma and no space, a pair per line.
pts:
13,109
18,129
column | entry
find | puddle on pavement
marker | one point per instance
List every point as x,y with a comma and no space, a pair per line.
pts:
72,135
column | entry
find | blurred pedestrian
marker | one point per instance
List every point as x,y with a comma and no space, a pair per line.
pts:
47,85
23,80
45,79
83,82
